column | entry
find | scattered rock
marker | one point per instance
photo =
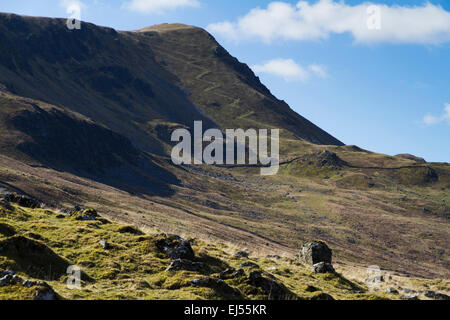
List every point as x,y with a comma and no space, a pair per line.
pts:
4,273
410,298
407,291
316,252
6,280
23,201
375,279
176,248
60,216
28,283
231,273
16,279
249,264
392,290
105,245
183,264
85,215
241,254
323,267
436,295
44,292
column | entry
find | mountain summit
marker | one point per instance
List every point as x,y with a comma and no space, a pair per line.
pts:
136,83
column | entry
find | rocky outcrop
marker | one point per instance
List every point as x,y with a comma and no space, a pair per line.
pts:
22,200
42,290
85,214
323,267
187,265
176,247
436,295
316,252
231,273
319,255
241,254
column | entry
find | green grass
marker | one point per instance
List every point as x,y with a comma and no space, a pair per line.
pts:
134,267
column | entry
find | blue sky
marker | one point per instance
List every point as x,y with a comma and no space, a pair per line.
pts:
384,88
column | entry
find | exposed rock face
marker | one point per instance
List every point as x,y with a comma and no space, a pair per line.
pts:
231,273
436,295
43,290
241,254
250,265
187,265
85,215
323,267
176,248
104,244
23,201
316,252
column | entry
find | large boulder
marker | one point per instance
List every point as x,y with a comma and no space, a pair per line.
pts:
323,267
316,252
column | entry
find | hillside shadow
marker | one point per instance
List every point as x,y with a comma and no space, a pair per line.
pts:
85,149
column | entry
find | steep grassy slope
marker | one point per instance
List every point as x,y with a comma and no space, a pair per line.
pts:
224,88
134,265
108,76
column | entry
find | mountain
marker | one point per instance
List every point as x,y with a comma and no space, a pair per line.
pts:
86,118
137,82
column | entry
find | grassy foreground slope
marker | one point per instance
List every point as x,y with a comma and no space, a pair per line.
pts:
39,244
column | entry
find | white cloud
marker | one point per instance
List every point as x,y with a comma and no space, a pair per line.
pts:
445,117
158,6
426,24
319,71
72,4
289,70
